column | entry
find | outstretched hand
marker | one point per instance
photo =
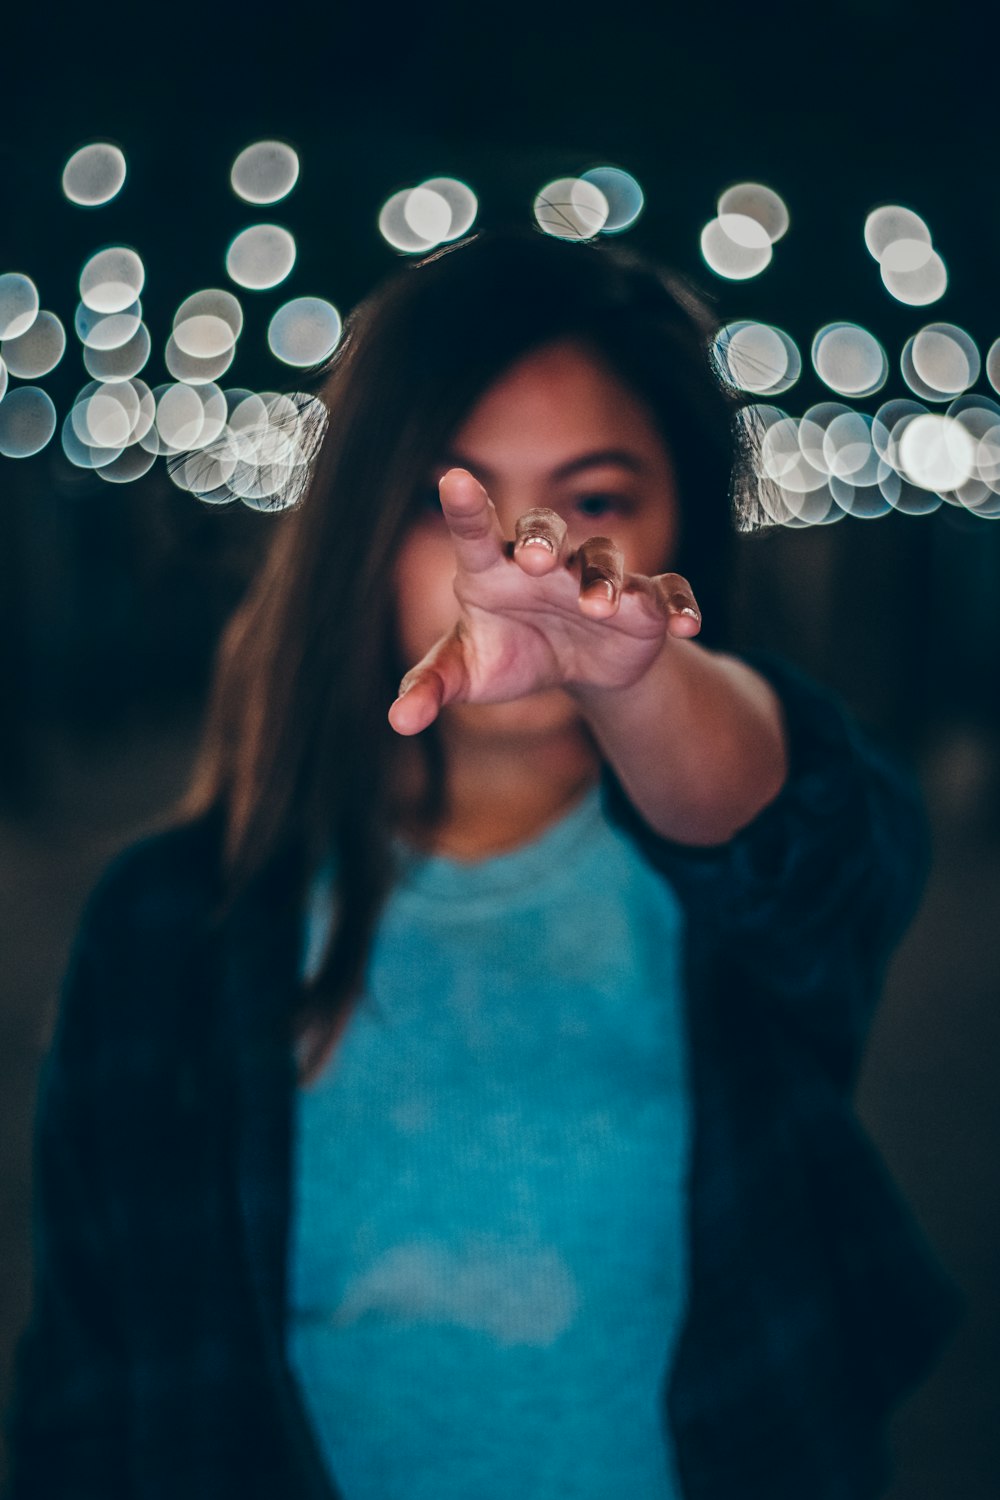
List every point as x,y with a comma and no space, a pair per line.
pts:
537,614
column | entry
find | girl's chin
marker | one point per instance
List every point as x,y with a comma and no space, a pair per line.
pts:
539,713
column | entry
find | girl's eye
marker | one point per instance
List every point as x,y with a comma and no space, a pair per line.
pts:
598,505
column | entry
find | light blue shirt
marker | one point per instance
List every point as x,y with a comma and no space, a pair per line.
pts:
488,1260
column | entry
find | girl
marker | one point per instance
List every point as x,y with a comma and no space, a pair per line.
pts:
456,1100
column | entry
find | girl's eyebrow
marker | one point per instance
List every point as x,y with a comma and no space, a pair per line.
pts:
597,458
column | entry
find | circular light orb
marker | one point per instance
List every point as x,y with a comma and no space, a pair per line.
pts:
812,429
208,323
180,416
3,379
18,304
926,283
865,502
304,331
265,172
571,208
624,196
903,496
112,280
106,415
38,351
461,200
130,465
203,336
261,257
945,358
993,365
735,246
94,175
106,330
189,369
937,453
755,201
885,225
428,215
888,425
783,460
849,359
903,256
27,421
848,449
122,362
981,419
395,229
757,357
80,454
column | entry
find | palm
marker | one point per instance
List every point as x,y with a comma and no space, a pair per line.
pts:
534,618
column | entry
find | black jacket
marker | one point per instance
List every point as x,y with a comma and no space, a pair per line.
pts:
153,1367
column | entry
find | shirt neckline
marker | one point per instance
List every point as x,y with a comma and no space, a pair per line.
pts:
443,877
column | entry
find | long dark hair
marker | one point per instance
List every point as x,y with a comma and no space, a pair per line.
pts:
298,753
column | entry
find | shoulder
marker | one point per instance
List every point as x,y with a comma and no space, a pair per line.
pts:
137,949
165,882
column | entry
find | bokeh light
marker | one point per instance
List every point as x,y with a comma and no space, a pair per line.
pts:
37,351
757,357
3,379
416,219
27,421
735,246
945,358
571,208
304,331
112,279
261,257
993,365
19,304
899,239
885,225
849,359
208,323
461,200
121,362
94,175
265,172
192,369
132,464
262,454
754,201
917,287
936,452
624,196
395,228
107,330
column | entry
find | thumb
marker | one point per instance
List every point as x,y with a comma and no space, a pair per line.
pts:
438,678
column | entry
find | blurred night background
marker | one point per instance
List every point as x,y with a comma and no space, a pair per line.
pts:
112,593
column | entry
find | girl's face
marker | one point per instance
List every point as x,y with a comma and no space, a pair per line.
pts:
557,429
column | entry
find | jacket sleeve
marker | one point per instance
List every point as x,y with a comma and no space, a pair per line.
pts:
68,1420
810,898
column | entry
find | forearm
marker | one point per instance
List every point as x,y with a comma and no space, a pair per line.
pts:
698,743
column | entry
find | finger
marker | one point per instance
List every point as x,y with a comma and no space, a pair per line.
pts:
678,604
600,566
540,541
472,520
437,679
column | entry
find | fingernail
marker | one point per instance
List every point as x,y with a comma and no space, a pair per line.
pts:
605,586
687,610
404,687
536,541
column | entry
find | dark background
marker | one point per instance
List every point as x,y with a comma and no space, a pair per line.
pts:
111,597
